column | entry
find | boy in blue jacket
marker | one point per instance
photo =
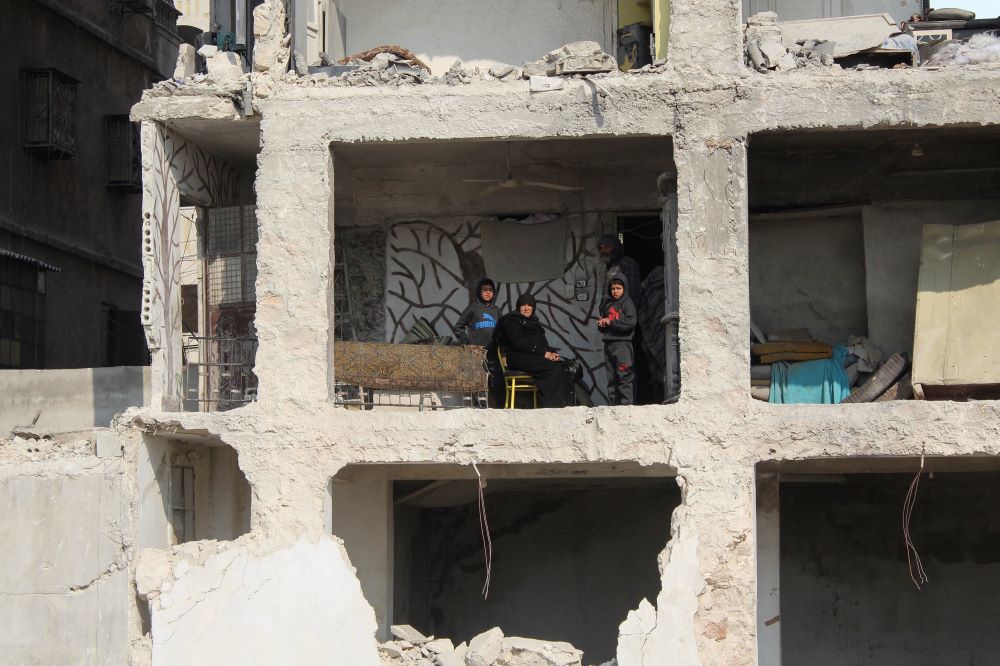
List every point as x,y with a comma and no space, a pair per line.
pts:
475,327
617,322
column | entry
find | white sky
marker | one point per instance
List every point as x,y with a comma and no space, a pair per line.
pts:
984,8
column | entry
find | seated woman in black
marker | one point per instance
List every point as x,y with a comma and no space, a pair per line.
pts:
523,338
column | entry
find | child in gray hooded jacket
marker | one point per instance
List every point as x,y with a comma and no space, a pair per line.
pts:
617,322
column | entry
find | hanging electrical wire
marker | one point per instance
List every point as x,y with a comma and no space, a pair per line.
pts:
484,529
916,567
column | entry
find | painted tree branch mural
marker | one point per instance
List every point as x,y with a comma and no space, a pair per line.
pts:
432,267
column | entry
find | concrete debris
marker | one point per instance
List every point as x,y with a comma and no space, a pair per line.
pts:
440,646
398,51
766,48
658,66
504,72
208,50
185,62
457,74
489,648
485,648
299,62
573,58
382,68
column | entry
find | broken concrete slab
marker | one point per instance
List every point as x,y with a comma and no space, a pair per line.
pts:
546,83
485,648
405,632
393,650
519,651
185,66
851,33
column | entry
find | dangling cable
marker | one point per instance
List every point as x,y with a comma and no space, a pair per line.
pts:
484,529
912,557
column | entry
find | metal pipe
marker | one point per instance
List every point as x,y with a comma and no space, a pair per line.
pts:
667,186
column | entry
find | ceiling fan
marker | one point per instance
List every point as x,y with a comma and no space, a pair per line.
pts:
509,182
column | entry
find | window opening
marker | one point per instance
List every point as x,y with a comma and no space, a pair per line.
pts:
228,346
49,113
22,311
124,159
182,502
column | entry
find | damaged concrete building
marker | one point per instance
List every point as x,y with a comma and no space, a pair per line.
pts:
261,509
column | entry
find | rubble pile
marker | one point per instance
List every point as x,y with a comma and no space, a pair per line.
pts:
381,66
385,68
766,51
490,648
977,49
658,66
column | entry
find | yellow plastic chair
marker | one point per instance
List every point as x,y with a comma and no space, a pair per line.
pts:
516,381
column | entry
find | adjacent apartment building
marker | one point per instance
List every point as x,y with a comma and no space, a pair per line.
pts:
71,174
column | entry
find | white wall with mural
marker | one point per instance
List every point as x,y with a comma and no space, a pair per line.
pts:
433,265
172,168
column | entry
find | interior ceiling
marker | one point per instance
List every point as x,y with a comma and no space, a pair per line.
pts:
880,465
376,181
232,140
550,151
813,168
872,141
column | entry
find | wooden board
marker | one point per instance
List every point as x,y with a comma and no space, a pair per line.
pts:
957,332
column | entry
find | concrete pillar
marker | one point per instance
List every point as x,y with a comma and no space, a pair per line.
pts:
294,282
720,509
768,570
713,264
161,258
709,38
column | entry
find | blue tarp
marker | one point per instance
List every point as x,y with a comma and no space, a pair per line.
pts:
822,382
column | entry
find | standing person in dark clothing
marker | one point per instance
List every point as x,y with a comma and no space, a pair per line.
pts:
611,249
475,326
522,336
617,323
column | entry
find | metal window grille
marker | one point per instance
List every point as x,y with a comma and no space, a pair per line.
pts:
124,160
223,376
22,315
231,255
49,113
182,502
